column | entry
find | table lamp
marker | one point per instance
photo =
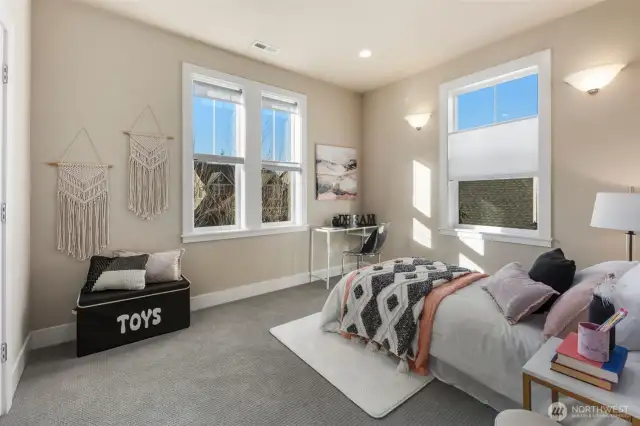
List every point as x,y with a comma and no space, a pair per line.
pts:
619,211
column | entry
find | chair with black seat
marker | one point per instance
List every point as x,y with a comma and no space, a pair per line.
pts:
371,247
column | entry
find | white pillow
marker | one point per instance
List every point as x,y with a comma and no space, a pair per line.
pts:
627,295
124,273
616,267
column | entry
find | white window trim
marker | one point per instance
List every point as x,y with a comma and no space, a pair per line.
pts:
448,92
268,229
251,133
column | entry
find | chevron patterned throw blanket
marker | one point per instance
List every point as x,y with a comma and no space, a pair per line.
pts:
384,303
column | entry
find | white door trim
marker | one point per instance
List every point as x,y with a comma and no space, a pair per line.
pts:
6,396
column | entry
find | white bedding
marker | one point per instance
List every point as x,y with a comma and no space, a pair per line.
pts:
471,335
475,349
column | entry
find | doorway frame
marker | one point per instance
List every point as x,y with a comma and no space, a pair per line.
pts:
6,397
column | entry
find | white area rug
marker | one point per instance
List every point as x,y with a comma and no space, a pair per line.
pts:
369,379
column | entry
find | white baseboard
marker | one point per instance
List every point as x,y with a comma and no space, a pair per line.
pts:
52,336
256,289
17,370
67,332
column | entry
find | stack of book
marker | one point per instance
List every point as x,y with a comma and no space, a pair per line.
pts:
603,375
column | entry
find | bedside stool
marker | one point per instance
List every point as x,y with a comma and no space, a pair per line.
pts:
523,418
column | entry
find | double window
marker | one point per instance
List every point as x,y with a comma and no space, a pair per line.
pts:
244,168
495,153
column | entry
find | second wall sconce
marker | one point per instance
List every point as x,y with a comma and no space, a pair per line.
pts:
593,79
418,121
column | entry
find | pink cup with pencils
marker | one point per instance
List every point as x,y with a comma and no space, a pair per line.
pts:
593,339
593,344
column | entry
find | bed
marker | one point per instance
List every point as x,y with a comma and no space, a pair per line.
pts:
467,319
474,348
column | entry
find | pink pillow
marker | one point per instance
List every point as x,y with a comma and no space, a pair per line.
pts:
515,293
571,308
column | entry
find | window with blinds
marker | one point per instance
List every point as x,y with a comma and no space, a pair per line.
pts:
216,154
495,151
281,166
244,171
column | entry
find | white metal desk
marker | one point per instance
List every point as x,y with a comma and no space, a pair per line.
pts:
362,232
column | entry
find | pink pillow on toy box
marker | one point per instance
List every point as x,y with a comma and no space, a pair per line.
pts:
571,308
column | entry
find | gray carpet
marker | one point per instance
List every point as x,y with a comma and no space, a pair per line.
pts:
224,370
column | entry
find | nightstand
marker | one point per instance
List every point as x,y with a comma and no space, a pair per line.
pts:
623,401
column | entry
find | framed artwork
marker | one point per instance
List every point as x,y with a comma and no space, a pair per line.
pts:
336,173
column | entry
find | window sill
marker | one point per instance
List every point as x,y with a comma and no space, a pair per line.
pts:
197,237
504,238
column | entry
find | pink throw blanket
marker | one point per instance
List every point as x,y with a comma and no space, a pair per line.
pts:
431,303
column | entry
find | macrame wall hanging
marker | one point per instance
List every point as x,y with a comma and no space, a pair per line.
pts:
148,170
83,205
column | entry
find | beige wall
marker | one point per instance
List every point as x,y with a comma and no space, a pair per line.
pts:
16,17
96,70
595,140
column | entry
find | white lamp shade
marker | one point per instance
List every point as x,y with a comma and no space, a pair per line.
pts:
418,121
617,210
594,79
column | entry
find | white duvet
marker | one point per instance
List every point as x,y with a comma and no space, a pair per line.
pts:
471,335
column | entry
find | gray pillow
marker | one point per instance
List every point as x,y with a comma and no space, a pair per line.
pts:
515,293
162,267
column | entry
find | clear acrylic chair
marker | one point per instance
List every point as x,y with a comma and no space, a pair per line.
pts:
371,247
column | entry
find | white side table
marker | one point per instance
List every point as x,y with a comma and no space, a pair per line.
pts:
623,401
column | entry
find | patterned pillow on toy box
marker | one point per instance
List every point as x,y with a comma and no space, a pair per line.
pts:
116,273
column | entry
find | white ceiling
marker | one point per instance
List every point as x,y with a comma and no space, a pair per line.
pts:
322,38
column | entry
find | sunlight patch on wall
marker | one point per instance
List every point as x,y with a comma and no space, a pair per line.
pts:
422,188
474,244
465,262
421,234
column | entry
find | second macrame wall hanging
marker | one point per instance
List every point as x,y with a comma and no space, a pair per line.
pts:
148,170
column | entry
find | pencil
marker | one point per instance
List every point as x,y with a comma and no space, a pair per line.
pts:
613,321
609,321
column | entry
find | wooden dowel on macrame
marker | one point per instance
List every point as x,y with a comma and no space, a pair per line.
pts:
53,163
130,133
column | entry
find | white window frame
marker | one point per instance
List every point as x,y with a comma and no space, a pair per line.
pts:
539,63
249,156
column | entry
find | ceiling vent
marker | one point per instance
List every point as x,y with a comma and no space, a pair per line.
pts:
265,47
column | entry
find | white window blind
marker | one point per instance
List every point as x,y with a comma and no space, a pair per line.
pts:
269,102
217,92
509,149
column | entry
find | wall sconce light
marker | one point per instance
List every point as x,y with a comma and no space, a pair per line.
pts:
593,79
418,121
